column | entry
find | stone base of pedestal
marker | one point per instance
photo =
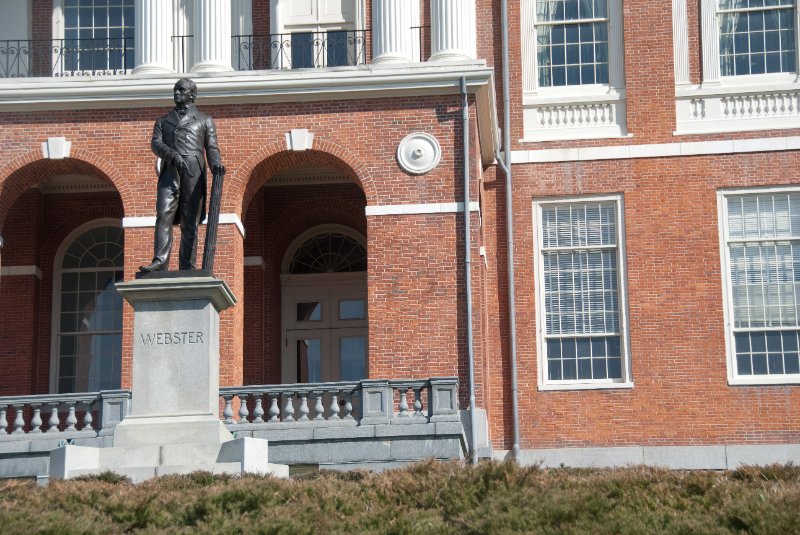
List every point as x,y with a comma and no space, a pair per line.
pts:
137,431
139,463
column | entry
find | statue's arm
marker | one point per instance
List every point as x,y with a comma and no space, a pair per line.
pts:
161,149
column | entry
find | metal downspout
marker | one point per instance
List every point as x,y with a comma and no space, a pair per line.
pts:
473,454
512,309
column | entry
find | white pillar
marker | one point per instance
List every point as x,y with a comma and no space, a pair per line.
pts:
153,36
212,36
393,38
710,42
453,32
680,41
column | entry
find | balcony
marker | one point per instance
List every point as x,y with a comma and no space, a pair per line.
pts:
65,57
345,425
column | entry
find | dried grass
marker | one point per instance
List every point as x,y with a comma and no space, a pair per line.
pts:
425,498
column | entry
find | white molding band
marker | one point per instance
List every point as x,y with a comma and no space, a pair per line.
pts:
11,271
150,221
657,150
414,209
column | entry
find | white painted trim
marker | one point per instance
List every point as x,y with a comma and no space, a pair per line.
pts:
722,228
544,383
413,209
150,221
680,41
12,271
657,150
254,261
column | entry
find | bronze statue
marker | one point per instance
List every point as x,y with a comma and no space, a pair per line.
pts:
183,139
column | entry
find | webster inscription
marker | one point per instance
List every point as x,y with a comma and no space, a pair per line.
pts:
172,338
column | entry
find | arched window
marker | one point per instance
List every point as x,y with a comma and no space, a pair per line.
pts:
330,252
88,318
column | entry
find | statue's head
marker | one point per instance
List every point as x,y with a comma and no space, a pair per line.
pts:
185,91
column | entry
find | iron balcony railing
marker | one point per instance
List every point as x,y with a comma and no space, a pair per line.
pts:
66,57
285,51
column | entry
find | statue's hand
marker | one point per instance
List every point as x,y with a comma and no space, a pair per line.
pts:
218,169
180,164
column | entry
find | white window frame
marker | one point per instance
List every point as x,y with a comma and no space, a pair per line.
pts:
55,315
59,27
575,107
711,57
730,349
280,25
581,384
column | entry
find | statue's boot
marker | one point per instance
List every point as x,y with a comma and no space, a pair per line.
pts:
154,266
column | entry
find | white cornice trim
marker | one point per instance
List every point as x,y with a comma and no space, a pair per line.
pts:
150,221
414,209
269,86
10,271
143,90
657,150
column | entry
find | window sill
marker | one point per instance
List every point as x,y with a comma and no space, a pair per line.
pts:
766,380
585,386
735,105
588,114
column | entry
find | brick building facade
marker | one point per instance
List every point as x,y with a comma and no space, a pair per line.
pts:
653,160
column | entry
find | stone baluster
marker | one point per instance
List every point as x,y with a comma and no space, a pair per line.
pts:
258,411
403,391
334,406
288,409
153,33
303,406
71,418
348,406
418,402
227,412
212,30
36,421
243,411
87,417
19,421
453,30
393,38
274,409
319,408
3,421
54,420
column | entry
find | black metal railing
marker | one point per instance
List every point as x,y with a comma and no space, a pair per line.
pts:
285,51
66,57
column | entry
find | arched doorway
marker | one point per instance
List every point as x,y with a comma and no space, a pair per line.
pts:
324,296
87,310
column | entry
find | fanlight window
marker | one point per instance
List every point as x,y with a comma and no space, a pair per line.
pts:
330,252
89,335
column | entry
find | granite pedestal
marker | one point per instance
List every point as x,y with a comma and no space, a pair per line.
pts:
173,424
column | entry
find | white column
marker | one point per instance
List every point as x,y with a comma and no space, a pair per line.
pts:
680,41
242,26
152,36
710,42
392,36
212,36
453,30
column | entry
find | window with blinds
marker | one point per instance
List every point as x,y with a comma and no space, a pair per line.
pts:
581,318
762,238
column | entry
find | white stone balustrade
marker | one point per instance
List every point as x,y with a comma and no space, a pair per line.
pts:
326,403
44,416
